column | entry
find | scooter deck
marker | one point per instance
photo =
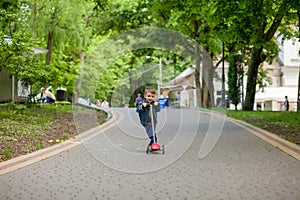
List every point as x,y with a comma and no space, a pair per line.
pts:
161,150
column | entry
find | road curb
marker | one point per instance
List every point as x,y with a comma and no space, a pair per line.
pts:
25,160
284,145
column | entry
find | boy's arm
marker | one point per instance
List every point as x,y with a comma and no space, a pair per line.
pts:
139,107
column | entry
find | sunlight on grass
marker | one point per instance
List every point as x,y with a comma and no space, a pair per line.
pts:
283,124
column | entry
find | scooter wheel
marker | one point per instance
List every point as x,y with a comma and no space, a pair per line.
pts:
163,149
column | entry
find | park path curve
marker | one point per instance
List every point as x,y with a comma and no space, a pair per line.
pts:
201,161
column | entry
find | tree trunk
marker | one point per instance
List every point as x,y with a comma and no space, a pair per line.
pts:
78,82
255,61
197,76
298,95
49,47
256,58
132,89
197,69
207,81
34,19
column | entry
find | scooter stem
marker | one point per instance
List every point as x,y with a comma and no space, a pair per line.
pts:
152,123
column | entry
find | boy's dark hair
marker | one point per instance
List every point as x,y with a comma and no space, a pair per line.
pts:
151,90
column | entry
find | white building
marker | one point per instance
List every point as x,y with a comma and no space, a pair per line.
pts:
284,74
285,79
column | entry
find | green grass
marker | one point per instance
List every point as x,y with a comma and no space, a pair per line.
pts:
283,124
25,129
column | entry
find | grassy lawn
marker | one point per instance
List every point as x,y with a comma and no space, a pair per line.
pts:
284,124
27,129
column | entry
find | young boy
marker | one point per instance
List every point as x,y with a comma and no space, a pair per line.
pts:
143,109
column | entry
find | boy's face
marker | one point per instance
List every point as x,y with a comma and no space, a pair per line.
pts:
149,97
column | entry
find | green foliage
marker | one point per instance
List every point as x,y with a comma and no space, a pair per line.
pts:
128,75
69,39
263,79
251,27
29,24
196,20
15,53
78,27
39,145
7,153
121,16
8,16
235,74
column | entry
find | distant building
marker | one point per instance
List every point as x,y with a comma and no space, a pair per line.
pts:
284,73
181,90
285,79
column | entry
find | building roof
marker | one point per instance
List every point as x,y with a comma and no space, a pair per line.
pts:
178,87
39,50
187,72
35,49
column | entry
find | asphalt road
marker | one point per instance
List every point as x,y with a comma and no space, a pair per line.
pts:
206,157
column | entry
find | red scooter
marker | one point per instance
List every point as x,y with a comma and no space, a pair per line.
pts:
155,147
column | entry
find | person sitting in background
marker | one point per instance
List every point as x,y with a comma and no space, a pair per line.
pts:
98,104
47,96
105,104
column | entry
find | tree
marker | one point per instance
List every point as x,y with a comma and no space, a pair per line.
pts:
9,16
265,33
62,27
114,17
123,16
195,19
16,45
298,95
235,72
255,23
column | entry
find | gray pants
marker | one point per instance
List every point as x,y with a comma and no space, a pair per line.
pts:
150,132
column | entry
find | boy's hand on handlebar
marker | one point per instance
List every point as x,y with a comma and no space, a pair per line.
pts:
148,104
144,105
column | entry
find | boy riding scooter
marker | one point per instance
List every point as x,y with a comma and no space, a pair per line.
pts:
149,119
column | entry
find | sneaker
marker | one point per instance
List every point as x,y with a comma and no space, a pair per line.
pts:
151,141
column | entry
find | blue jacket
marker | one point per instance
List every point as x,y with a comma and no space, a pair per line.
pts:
144,113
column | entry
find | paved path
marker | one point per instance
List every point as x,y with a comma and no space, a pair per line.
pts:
206,158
